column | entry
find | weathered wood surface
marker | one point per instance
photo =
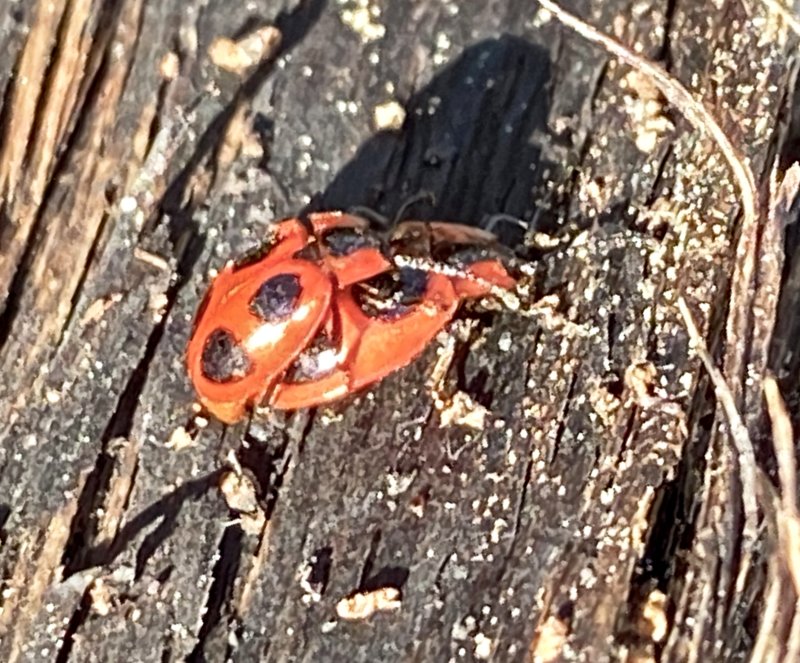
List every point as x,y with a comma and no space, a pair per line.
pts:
594,484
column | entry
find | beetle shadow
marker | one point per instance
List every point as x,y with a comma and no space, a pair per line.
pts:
470,146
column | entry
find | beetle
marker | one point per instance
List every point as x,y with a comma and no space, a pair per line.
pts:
329,306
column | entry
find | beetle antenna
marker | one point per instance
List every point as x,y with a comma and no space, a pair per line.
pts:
370,215
491,222
418,197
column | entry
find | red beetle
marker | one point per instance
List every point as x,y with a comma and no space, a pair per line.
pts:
329,307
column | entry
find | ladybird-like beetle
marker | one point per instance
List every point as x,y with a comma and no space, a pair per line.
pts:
329,306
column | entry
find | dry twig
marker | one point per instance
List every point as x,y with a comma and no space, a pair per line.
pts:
783,439
738,431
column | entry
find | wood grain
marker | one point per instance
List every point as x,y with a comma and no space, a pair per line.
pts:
601,485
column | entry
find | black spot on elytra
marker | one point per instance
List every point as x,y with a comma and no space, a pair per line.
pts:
223,359
413,285
277,297
344,241
390,295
